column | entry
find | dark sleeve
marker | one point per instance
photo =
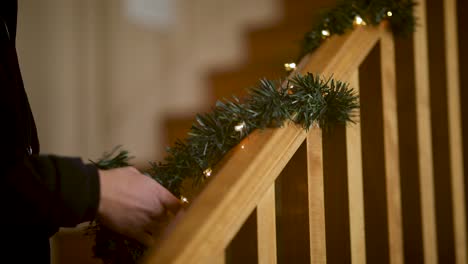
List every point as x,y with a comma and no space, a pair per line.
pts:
39,192
51,191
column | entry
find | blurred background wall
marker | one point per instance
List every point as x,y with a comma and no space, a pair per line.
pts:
105,73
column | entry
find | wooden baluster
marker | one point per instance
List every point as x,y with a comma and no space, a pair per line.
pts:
423,113
355,186
318,251
266,228
390,131
455,137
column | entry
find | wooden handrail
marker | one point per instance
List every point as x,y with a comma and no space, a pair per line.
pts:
217,214
250,169
357,185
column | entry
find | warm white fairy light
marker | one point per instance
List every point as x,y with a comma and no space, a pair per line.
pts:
359,21
240,127
242,147
208,172
389,13
290,66
184,199
325,32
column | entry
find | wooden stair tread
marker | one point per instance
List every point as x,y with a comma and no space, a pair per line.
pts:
301,8
177,127
228,83
283,41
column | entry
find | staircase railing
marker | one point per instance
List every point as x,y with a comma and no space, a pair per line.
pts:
351,178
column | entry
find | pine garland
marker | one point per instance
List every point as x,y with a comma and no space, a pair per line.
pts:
343,17
306,100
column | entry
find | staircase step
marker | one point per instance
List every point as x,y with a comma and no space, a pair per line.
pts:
177,127
282,41
306,8
227,83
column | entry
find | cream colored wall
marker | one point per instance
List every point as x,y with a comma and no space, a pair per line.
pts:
58,52
97,80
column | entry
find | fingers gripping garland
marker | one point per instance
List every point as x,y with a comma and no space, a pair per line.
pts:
306,100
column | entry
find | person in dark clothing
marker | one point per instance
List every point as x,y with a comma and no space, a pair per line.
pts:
41,193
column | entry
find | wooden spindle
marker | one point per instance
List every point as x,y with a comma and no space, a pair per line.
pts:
423,113
395,232
455,136
355,186
266,228
318,250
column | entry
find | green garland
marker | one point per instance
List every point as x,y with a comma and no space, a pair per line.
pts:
305,100
343,17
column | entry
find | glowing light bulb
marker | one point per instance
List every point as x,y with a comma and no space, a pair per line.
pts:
184,199
359,21
208,172
389,13
290,66
240,127
242,147
325,33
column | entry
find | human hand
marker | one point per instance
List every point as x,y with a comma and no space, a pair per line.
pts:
133,204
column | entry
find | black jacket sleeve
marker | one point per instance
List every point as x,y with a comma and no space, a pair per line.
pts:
38,193
48,192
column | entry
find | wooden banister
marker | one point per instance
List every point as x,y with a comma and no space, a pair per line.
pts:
237,188
240,183
250,169
245,179
340,56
